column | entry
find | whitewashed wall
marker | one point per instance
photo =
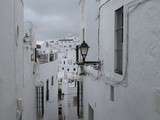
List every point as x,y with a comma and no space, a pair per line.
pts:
29,92
91,28
8,60
135,101
29,95
46,71
19,34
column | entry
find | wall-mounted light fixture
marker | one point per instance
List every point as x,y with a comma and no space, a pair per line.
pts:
83,50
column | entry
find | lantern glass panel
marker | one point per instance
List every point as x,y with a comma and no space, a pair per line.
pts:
84,51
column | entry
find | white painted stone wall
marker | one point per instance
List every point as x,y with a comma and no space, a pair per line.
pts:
11,12
67,58
69,109
136,99
67,64
46,71
17,80
29,92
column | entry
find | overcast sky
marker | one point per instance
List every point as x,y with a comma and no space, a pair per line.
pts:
53,18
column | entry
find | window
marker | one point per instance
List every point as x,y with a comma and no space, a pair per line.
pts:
55,56
47,90
74,69
32,57
90,112
40,100
75,100
63,62
60,111
119,41
18,31
59,94
51,58
68,69
38,46
22,2
63,68
112,93
47,44
52,82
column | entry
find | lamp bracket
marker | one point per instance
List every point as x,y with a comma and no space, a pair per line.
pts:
96,64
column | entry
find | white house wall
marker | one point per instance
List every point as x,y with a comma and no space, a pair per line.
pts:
46,71
8,59
91,28
29,92
7,82
19,34
135,100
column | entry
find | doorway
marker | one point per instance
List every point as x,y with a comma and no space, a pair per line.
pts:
90,113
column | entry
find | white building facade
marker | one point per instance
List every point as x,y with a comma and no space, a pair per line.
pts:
11,35
29,92
67,55
67,76
47,81
19,73
67,68
123,35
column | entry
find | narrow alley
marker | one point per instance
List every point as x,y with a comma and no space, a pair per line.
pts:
80,60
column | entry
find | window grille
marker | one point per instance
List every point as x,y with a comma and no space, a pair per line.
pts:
40,101
47,90
112,93
119,41
52,82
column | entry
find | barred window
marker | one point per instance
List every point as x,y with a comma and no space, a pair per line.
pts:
40,101
52,82
47,90
119,41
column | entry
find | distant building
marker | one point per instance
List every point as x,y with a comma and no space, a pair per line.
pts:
67,76
67,55
47,80
45,52
124,35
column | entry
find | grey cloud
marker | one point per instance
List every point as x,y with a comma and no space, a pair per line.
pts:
53,18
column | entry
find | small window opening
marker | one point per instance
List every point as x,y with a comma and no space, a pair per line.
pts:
119,41
112,96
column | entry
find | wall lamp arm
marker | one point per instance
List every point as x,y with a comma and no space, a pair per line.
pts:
89,63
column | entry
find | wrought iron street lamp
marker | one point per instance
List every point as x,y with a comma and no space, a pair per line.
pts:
84,47
84,50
